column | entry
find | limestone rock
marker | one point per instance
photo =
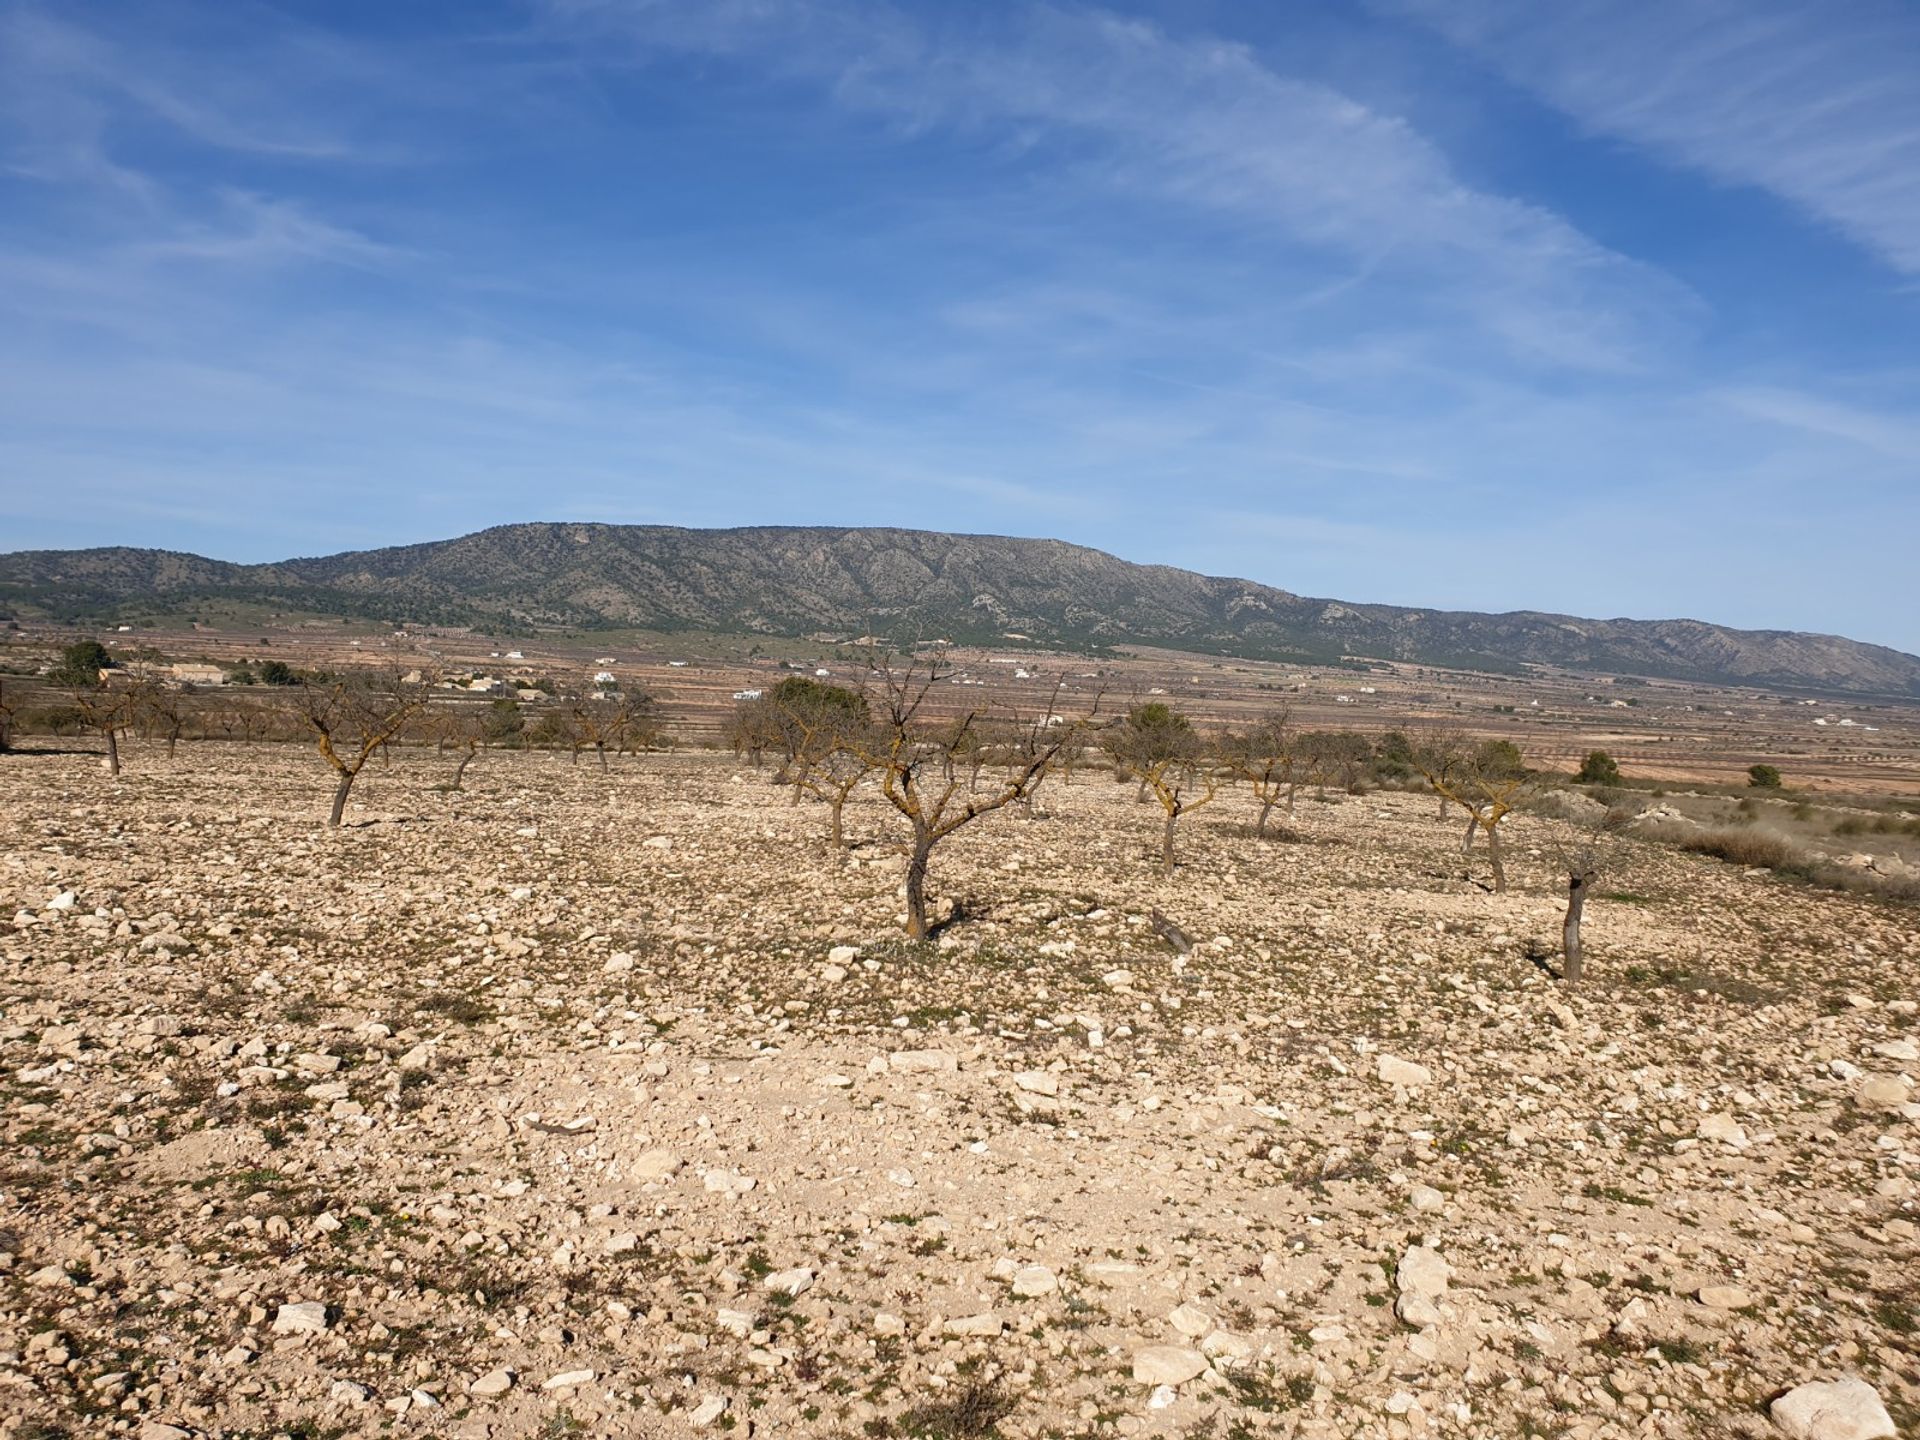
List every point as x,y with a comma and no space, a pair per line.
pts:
1847,1409
1167,1365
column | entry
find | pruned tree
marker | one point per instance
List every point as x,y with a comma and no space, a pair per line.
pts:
1336,757
1440,755
796,718
1488,784
644,727
596,720
459,728
827,734
1159,747
1582,861
353,718
1018,739
7,707
84,668
1266,756
160,710
914,755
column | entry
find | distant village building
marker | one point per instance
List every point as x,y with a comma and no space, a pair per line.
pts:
605,677
191,674
748,694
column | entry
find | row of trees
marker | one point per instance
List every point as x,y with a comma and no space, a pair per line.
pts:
827,738
939,772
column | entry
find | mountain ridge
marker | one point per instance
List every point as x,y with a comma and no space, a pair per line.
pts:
797,580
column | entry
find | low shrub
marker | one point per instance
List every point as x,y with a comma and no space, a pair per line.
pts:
1742,847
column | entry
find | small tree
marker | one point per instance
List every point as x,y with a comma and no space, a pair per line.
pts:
827,733
1440,755
503,722
1157,746
1488,785
1336,757
353,718
161,711
83,669
1266,757
919,776
597,720
6,720
1582,862
1597,769
1763,777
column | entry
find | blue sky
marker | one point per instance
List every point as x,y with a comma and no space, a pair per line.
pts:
1609,308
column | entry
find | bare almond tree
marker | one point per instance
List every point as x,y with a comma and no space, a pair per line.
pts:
161,710
1158,746
1439,755
352,719
1266,756
1582,861
1488,785
917,758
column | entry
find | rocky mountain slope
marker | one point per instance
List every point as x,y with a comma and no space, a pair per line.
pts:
788,581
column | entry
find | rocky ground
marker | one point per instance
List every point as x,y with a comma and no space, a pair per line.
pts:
611,1105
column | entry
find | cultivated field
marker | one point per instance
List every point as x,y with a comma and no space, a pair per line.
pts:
612,1105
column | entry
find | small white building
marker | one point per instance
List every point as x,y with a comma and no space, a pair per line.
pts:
604,677
748,694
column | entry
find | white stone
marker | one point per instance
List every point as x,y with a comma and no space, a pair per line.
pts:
1038,1082
1416,1310
1423,1272
655,1165
305,1317
1403,1074
1425,1198
1723,1128
1884,1092
1190,1321
567,1380
987,1324
909,1062
1167,1365
494,1382
1724,1297
707,1411
1032,1281
796,1281
1846,1409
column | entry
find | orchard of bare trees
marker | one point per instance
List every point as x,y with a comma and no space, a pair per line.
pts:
894,733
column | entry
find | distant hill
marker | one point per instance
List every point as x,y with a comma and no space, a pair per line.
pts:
779,581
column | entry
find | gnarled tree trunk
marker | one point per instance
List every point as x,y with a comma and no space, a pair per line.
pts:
1570,927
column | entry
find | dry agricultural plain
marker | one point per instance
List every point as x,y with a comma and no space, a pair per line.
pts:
611,1105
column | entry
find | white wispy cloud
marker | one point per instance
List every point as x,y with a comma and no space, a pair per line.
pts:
1205,124
1817,101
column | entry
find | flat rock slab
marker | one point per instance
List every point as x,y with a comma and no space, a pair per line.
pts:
1168,1365
1846,1409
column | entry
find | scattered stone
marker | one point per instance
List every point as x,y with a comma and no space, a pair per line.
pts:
1032,1281
1422,1272
1403,1074
1167,1365
568,1380
493,1383
305,1317
1847,1409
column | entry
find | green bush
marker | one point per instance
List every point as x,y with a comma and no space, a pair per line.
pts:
1598,769
1764,777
